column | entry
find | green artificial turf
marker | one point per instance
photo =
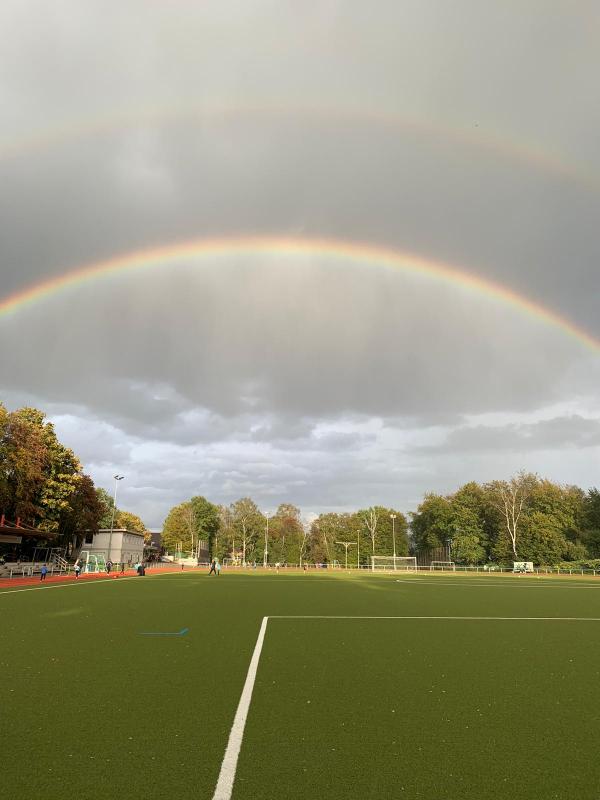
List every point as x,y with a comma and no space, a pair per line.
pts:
341,707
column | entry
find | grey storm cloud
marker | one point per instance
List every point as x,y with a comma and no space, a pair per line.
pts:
465,133
573,432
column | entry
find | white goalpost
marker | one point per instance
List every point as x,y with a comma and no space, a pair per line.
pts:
393,563
443,565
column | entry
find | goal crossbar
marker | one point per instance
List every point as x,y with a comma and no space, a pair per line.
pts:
391,563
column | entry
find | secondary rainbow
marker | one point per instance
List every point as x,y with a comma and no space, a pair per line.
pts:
361,253
495,144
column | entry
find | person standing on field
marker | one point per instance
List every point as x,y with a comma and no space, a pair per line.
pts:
213,567
44,573
77,570
218,567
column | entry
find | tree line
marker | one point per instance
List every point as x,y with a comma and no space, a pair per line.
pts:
241,531
526,518
42,482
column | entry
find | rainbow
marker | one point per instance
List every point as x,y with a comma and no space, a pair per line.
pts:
502,146
347,252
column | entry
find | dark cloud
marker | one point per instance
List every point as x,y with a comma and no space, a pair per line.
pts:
570,433
464,133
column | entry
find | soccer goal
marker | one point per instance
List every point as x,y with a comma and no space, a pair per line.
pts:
523,566
393,563
443,565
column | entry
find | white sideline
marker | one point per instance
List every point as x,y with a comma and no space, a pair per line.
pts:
224,788
477,582
228,767
80,582
362,616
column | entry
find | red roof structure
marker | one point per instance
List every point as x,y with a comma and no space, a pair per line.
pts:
8,528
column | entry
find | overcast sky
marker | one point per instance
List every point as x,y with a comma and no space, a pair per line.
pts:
464,132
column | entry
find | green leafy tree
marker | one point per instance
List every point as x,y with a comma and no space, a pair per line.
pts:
85,514
205,520
224,541
248,523
387,531
286,535
470,537
511,499
327,530
61,481
179,528
107,504
590,522
4,445
433,524
25,459
129,522
41,480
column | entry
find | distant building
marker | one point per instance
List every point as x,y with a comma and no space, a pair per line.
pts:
125,546
155,538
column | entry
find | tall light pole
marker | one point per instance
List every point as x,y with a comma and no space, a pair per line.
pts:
266,555
112,519
346,545
393,517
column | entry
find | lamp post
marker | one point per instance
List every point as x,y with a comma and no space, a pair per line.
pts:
112,519
266,555
393,518
346,545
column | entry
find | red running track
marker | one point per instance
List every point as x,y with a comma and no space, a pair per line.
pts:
34,580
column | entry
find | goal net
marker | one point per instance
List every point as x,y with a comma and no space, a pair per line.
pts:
442,565
393,563
523,566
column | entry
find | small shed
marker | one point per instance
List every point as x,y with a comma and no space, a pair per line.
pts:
119,545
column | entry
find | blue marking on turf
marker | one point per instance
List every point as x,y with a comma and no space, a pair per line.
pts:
182,632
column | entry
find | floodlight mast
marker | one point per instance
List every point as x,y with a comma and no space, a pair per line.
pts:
112,519
266,555
347,545
393,518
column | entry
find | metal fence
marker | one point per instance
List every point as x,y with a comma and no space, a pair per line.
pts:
25,570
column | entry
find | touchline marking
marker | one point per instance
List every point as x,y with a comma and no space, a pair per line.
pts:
532,619
80,582
475,583
224,786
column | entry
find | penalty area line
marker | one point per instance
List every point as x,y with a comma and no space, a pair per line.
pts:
225,782
224,786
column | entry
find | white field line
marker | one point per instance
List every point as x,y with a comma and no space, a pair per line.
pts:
228,767
80,582
467,580
512,619
474,583
224,788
